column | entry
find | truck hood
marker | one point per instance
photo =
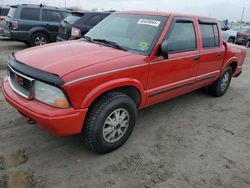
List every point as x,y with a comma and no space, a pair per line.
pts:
65,57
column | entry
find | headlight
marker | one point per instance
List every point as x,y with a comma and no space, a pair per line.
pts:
50,95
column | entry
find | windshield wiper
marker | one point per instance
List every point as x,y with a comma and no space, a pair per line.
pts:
89,39
110,43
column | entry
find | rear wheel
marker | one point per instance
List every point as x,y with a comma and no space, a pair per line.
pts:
39,39
219,88
110,122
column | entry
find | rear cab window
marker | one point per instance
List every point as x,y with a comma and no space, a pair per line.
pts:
32,14
182,36
209,33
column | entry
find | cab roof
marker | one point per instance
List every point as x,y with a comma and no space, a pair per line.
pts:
160,13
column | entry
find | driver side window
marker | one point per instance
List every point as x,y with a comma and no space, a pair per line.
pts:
182,37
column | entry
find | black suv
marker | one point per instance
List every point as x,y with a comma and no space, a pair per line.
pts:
78,24
34,24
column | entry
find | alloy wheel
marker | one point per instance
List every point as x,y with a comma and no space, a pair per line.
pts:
40,40
116,125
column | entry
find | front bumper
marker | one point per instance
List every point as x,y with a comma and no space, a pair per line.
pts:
60,122
59,39
241,41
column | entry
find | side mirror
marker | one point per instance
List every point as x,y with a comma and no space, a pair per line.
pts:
164,49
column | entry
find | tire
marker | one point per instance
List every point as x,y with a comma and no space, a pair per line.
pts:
101,120
221,85
38,39
248,44
231,40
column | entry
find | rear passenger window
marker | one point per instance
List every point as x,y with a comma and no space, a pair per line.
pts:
182,37
94,20
51,16
210,35
30,14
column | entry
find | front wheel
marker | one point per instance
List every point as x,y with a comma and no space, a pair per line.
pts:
219,88
110,122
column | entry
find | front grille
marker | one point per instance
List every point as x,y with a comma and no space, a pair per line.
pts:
20,83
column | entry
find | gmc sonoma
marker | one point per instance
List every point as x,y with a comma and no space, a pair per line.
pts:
131,60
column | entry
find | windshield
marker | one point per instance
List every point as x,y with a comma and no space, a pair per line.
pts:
73,18
242,29
11,12
137,33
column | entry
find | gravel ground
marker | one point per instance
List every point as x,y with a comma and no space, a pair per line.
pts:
191,141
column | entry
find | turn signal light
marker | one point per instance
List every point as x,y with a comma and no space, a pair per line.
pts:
61,103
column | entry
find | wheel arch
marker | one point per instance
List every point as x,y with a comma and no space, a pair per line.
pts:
233,63
130,87
38,30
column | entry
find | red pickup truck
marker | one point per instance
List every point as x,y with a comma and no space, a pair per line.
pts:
129,61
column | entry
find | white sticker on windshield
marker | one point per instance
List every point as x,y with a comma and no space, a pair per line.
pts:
154,23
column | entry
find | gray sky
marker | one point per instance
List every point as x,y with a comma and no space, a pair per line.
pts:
222,9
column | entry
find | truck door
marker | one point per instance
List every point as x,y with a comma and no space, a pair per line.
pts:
175,75
211,53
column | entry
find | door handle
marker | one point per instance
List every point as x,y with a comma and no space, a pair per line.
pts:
196,58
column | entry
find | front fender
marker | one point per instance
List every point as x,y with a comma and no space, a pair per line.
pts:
225,65
107,86
232,59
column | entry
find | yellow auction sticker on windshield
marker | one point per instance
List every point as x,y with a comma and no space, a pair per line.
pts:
143,45
154,23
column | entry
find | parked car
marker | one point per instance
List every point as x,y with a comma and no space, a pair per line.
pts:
228,34
243,36
34,24
78,24
3,13
129,61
